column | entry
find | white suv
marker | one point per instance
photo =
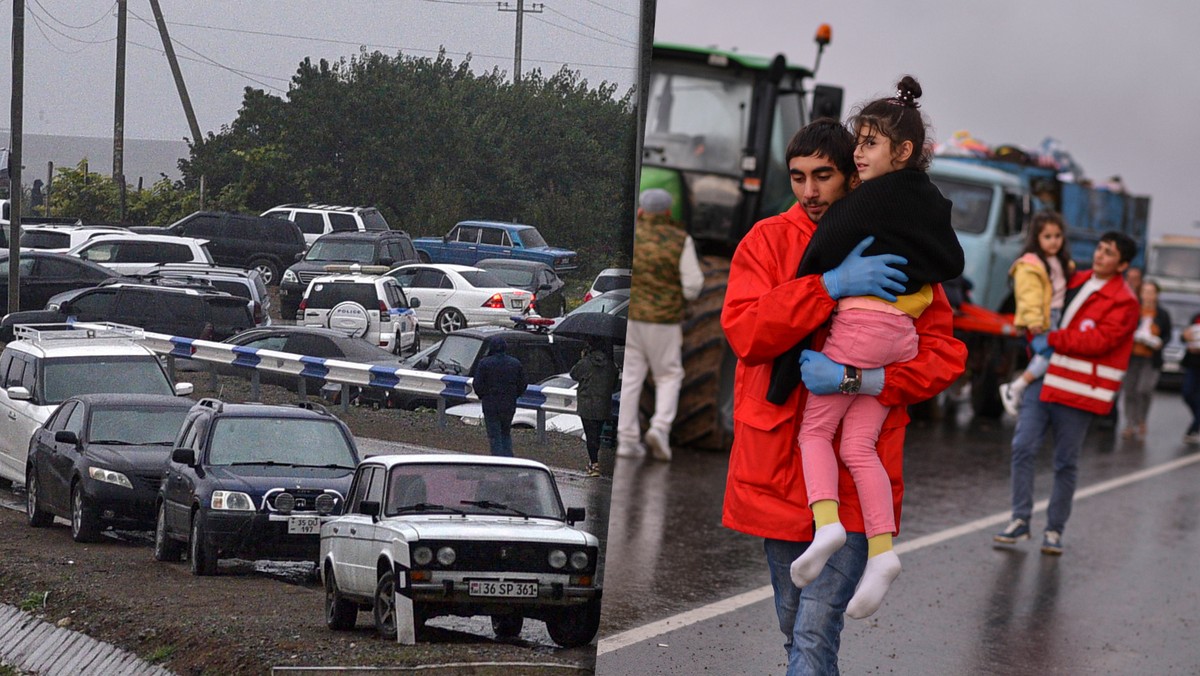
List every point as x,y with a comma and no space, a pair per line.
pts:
61,238
134,254
315,220
48,363
363,305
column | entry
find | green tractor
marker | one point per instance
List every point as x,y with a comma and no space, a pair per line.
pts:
717,128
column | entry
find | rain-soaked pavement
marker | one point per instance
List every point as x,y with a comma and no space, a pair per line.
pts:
1124,599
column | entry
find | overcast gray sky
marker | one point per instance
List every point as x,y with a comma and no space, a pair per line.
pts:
226,45
1117,82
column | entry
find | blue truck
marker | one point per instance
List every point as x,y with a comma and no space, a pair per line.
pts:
469,242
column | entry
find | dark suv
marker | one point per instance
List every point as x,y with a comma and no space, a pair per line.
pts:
268,245
387,248
252,480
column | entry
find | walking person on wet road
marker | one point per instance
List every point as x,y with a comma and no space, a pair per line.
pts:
768,310
499,381
1145,364
597,377
1088,358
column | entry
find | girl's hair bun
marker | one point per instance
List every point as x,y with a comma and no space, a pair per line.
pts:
908,90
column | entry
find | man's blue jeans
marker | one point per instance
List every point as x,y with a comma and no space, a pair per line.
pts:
812,618
499,432
1070,427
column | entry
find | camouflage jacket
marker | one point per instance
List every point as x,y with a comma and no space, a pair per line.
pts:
657,293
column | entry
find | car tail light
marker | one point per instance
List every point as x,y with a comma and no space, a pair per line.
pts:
383,309
587,296
496,301
533,303
303,304
258,313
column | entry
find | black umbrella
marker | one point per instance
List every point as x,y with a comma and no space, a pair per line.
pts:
584,325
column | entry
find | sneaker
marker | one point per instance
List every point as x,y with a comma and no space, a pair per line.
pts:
1010,397
593,469
1052,543
627,451
659,443
1017,529
1191,438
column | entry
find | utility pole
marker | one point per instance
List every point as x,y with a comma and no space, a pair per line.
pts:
14,157
520,9
170,50
119,111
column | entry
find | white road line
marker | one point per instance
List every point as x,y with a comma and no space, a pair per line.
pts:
648,631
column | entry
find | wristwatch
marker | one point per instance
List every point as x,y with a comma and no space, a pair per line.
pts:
851,381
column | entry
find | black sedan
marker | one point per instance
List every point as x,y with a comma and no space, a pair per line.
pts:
98,461
45,274
548,289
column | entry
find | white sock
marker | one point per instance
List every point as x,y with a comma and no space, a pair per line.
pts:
827,540
881,571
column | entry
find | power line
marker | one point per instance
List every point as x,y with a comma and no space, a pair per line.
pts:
580,33
613,9
203,56
107,14
41,26
625,40
243,73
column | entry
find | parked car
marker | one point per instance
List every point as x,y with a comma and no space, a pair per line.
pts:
367,306
454,297
387,248
469,535
47,364
267,245
164,306
315,220
615,302
62,237
471,412
548,289
609,279
471,241
247,284
99,459
135,253
1182,307
252,481
44,275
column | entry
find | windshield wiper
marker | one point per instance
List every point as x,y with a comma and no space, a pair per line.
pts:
266,463
113,442
428,507
488,504
332,465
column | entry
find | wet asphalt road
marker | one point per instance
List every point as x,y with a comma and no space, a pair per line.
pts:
1124,599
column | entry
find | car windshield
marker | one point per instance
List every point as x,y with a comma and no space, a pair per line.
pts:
341,250
45,239
607,302
134,425
511,277
530,238
113,375
1181,309
456,355
482,279
473,489
283,441
971,203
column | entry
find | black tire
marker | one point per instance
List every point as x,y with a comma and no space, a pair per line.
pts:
575,627
85,527
507,626
165,548
340,613
203,559
449,320
384,607
38,518
267,268
5,482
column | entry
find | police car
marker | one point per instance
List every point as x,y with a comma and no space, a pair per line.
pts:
358,301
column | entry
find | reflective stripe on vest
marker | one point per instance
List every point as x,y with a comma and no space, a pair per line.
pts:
1075,387
1084,366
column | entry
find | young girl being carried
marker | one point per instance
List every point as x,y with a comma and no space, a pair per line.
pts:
1039,286
907,215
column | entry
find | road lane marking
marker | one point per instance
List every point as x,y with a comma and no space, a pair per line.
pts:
646,632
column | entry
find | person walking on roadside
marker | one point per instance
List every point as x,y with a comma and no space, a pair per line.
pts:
1088,356
1191,379
499,381
666,274
768,310
597,377
1145,364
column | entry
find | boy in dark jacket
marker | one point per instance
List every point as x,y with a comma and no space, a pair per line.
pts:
597,377
499,382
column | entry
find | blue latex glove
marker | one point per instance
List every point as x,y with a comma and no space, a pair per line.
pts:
1041,345
860,275
821,375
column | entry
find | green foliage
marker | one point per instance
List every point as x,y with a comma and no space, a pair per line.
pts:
34,601
160,654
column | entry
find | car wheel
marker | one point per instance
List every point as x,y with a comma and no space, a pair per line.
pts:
165,549
267,269
84,525
507,626
449,320
385,606
38,518
576,626
340,613
203,559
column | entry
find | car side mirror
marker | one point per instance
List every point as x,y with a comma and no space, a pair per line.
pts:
545,287
422,364
445,238
19,393
575,515
414,303
370,508
388,261
184,389
184,456
66,437
299,257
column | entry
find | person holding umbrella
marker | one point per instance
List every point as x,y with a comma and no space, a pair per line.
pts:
597,377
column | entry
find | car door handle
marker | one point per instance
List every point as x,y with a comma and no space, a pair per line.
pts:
12,415
353,531
335,530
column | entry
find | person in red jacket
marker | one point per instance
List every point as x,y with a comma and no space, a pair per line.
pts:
1088,357
768,309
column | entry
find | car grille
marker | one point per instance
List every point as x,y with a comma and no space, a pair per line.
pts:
307,277
510,556
149,481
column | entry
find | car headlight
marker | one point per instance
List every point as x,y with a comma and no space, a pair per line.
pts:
446,556
289,276
422,556
579,560
109,477
231,500
557,558
325,503
285,502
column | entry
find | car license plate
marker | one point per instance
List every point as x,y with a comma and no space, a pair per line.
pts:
503,588
517,303
303,525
